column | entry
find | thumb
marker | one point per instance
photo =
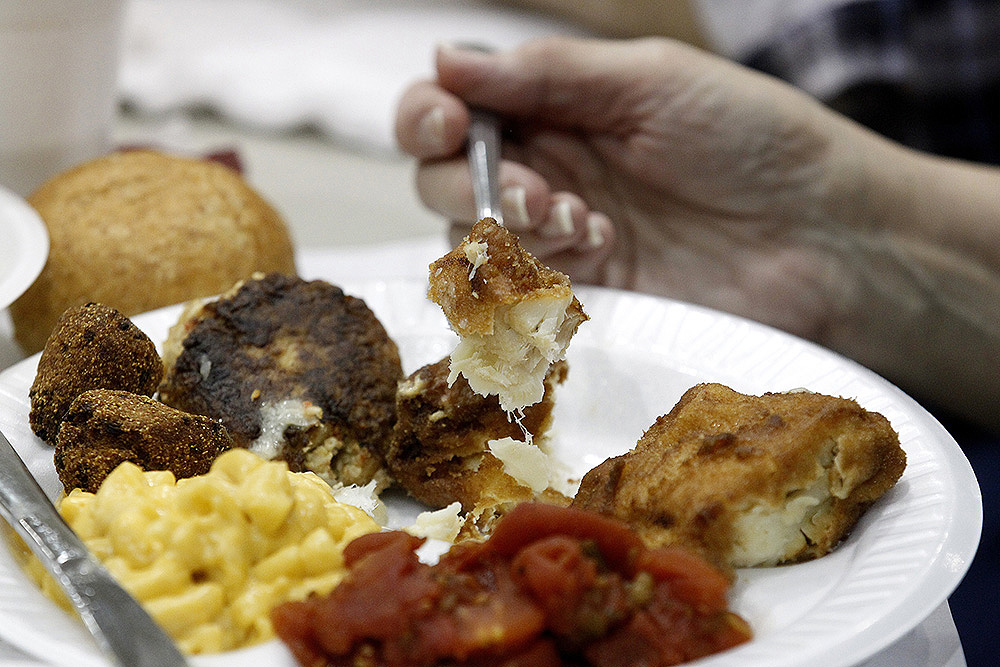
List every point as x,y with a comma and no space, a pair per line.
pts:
560,80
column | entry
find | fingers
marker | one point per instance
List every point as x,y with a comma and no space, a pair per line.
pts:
563,81
567,232
430,122
446,187
547,221
565,227
573,239
433,119
582,253
552,225
588,263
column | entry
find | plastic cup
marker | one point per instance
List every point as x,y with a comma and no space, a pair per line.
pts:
58,74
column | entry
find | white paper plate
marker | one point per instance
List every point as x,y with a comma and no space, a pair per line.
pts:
24,246
628,365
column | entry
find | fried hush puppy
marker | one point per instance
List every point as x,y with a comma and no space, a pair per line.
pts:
93,346
750,480
514,316
296,370
444,446
105,427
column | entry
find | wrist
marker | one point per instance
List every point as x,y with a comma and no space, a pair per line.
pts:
925,306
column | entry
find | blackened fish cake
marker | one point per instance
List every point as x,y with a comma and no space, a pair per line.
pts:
106,427
93,346
295,369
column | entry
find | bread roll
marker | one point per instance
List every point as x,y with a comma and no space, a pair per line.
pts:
138,230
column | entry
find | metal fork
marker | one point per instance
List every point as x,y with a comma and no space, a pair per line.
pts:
123,630
484,157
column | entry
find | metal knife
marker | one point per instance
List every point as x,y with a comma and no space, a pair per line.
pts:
123,630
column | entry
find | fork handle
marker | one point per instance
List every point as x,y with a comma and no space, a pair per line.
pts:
484,161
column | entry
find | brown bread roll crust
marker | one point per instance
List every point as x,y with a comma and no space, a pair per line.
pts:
139,230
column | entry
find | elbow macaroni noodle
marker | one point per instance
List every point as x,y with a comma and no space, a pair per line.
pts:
210,556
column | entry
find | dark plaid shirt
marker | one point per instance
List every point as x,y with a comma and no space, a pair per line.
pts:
923,72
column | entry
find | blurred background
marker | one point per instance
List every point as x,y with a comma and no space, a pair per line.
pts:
305,92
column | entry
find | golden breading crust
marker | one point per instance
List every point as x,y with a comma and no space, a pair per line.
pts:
750,480
439,450
295,369
104,428
92,347
514,316
503,278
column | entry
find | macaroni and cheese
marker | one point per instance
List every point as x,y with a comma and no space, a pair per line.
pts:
210,556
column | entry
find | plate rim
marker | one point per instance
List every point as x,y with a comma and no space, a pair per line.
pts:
883,631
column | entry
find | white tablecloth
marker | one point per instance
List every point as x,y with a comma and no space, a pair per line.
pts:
335,65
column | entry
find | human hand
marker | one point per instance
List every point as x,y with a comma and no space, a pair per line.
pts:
654,166
647,165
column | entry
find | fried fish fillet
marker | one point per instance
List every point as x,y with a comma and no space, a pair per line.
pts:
514,316
295,369
446,444
750,480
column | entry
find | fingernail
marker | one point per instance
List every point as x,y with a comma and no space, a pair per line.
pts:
431,129
595,230
514,201
467,49
559,223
